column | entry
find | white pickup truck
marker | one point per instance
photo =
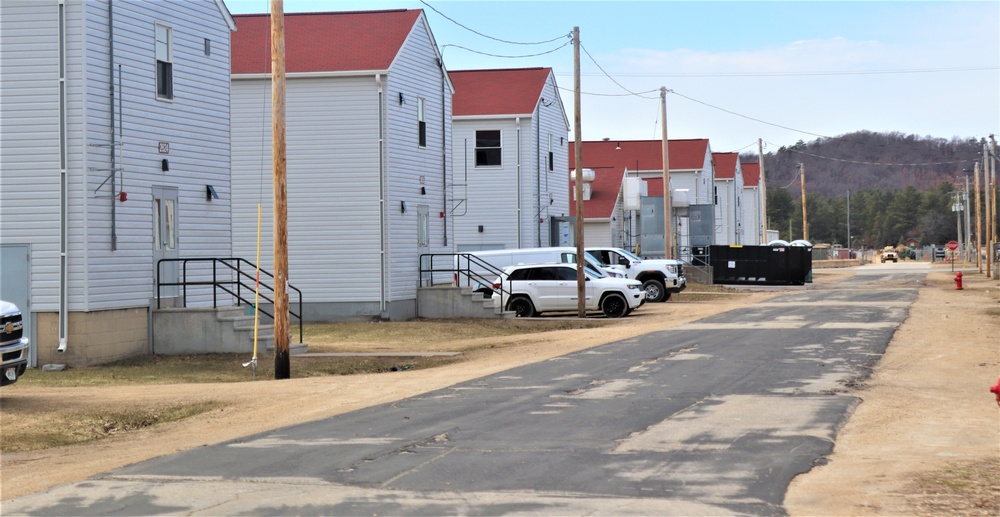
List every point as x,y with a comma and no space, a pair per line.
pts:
13,344
660,278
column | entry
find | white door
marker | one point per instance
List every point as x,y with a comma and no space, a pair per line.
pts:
165,239
424,242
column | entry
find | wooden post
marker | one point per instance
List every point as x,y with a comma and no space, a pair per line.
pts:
763,194
979,215
668,225
581,286
282,368
805,219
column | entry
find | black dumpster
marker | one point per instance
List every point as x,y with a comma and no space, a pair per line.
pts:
765,265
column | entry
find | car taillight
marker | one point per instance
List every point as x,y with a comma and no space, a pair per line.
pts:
496,286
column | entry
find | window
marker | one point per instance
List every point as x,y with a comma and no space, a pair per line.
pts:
715,192
550,154
164,62
421,122
488,151
208,47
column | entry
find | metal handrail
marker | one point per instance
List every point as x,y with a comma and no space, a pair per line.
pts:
233,287
460,265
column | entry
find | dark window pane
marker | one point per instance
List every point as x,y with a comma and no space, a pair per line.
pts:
488,157
164,80
488,138
423,133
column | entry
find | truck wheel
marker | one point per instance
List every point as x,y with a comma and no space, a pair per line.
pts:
655,291
521,306
666,295
614,305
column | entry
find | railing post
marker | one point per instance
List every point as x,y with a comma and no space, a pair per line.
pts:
215,285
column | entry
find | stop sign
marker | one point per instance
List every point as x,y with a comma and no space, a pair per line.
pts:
952,245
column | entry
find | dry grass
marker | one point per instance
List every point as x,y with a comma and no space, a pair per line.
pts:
44,429
970,488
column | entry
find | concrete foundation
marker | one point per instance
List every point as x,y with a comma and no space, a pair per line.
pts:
92,337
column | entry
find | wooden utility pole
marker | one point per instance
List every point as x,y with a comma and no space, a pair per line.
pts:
668,225
581,290
282,363
992,158
763,194
979,230
989,209
805,218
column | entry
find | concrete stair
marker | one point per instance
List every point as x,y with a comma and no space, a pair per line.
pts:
448,301
201,330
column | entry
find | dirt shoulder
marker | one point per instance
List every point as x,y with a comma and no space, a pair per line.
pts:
925,409
925,440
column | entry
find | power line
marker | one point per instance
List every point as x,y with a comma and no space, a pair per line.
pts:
599,67
812,73
429,6
747,116
638,94
503,56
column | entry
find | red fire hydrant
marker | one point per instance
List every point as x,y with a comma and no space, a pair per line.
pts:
958,281
996,391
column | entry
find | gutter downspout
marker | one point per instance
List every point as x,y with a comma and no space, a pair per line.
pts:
63,182
538,169
517,134
444,152
381,196
111,113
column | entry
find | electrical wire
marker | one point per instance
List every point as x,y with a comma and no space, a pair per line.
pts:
599,67
502,56
431,7
747,116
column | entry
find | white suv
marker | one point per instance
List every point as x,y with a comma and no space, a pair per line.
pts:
660,278
528,290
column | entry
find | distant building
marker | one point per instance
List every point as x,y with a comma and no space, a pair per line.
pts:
369,169
613,219
509,152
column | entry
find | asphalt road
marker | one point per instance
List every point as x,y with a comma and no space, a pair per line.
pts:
711,418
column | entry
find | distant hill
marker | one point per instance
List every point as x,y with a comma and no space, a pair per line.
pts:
867,160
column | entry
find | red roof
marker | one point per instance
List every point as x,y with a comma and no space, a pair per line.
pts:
323,42
751,174
497,92
609,164
725,165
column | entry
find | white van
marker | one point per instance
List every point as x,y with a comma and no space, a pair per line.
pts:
480,268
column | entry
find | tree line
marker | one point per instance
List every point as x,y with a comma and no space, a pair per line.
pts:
878,217
900,187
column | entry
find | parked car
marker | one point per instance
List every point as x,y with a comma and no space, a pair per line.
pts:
660,278
14,344
529,290
499,259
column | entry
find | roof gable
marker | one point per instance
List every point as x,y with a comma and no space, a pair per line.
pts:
751,174
498,92
642,154
725,165
323,42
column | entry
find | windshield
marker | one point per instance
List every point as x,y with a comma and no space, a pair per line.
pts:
629,254
593,266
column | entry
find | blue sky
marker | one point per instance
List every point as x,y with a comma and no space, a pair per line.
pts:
739,71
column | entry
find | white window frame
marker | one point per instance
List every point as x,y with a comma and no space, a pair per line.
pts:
475,156
164,53
421,122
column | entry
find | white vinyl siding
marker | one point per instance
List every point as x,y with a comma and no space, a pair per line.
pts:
491,194
29,139
751,216
196,124
332,183
416,74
